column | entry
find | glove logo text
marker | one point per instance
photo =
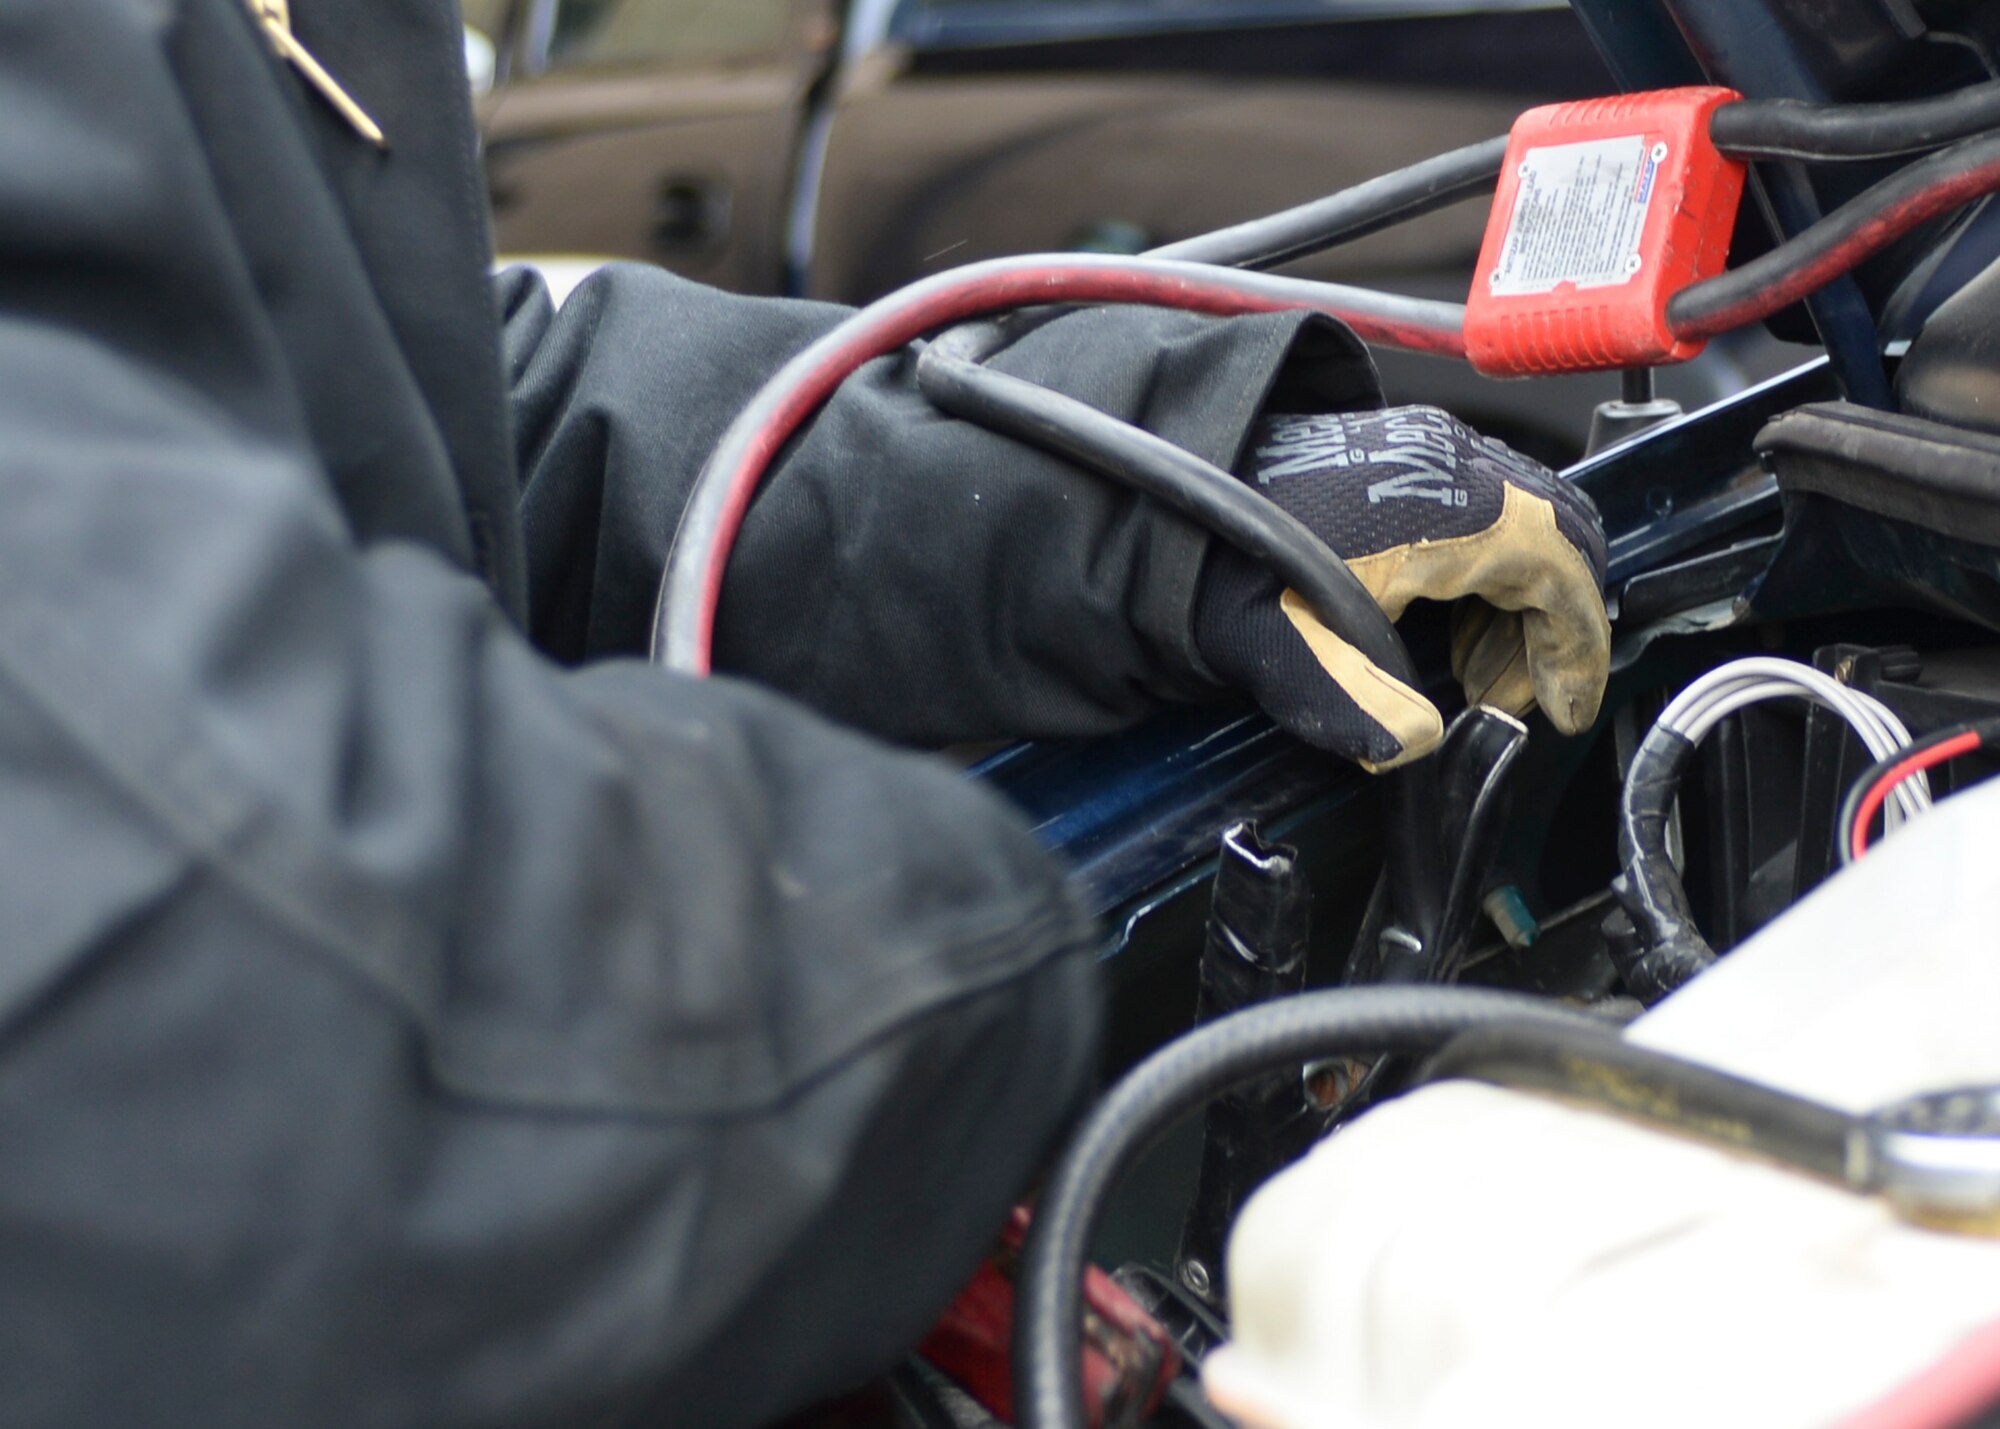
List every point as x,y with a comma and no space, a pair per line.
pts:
1419,485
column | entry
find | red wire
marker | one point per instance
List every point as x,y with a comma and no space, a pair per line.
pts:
1880,230
1923,759
1019,288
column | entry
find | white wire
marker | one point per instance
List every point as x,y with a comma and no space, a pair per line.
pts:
1714,696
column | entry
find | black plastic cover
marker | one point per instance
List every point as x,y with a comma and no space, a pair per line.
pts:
1952,371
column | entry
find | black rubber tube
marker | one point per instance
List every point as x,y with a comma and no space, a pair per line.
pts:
1795,129
1840,242
1172,1083
1201,491
1367,207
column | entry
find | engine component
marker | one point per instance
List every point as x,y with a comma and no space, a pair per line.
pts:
1259,925
1480,752
1934,1158
1949,373
1885,508
1656,943
1181,1077
1362,1290
1607,209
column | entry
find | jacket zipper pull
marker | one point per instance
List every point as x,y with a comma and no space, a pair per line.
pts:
274,18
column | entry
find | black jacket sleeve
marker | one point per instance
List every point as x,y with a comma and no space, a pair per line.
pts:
395,1027
905,572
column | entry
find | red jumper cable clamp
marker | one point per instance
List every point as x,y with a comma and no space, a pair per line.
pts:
1606,208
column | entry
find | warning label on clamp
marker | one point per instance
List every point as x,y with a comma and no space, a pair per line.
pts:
1578,216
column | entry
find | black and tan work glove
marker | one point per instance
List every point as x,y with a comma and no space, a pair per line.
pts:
1422,508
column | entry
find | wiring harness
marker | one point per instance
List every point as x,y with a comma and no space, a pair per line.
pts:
1893,776
1662,949
1840,242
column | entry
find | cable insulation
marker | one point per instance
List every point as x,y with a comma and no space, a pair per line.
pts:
1353,213
1795,129
1909,764
1899,771
1840,242
1667,948
1367,207
684,617
1203,492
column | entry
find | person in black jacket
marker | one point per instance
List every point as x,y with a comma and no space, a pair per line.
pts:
417,1010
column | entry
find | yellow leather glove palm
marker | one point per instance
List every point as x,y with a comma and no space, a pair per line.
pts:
1422,508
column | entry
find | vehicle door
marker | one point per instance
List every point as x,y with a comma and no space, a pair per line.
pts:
663,130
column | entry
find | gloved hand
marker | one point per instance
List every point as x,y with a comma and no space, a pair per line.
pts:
1421,507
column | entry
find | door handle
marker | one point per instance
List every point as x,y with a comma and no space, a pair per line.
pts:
692,214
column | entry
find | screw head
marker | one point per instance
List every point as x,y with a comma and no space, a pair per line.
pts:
1195,1276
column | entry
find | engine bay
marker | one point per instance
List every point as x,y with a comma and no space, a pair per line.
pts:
1737,931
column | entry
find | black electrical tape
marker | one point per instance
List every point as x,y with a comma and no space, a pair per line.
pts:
1795,129
1670,949
1596,1067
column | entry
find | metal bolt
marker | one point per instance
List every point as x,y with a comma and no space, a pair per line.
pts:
1195,1276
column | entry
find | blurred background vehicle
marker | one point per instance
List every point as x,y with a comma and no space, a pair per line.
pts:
841,150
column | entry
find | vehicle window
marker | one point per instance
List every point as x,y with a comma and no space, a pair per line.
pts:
1082,12
488,17
676,32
